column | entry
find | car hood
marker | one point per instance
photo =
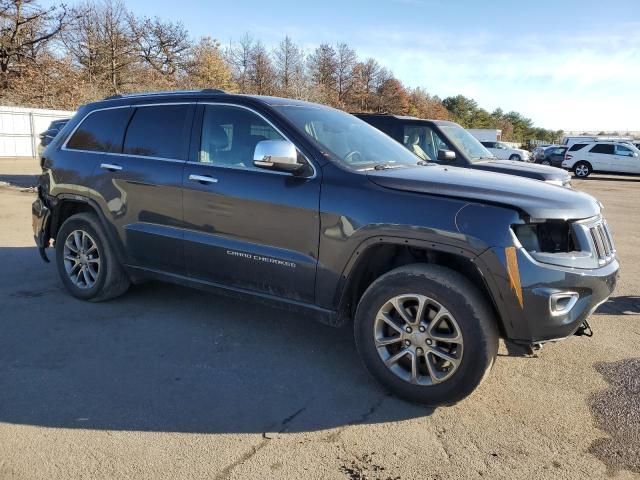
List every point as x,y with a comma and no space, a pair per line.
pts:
524,169
537,199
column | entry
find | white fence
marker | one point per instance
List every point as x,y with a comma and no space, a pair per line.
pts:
20,129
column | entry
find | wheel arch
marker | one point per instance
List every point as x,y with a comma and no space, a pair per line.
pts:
66,206
379,255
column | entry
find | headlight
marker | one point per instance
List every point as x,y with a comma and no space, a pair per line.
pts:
561,243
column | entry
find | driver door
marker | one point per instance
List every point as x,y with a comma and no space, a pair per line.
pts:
247,227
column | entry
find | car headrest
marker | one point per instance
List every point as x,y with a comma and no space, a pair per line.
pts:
217,137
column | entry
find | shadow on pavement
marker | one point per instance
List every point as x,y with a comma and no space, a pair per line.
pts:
621,305
623,177
166,358
20,180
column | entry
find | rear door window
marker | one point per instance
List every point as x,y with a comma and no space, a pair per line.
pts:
606,148
577,146
160,131
101,131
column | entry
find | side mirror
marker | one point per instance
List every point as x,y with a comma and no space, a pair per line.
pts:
446,155
276,155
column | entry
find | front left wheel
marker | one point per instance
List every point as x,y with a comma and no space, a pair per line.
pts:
426,334
87,264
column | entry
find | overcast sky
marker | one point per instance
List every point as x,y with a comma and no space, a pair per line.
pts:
570,64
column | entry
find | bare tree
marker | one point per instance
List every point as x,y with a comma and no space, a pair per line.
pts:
239,58
346,60
101,41
261,74
322,65
25,30
289,69
163,45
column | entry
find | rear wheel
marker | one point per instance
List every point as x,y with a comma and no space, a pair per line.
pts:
86,262
582,169
515,157
426,334
545,162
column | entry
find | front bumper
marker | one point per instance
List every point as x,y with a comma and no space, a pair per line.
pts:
528,290
40,220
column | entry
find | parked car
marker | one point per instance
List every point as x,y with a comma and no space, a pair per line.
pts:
309,208
553,156
448,143
586,158
50,133
503,151
538,152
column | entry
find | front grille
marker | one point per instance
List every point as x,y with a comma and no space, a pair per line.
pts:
602,241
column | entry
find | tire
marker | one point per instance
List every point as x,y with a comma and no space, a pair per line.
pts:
515,157
104,277
545,162
582,169
472,318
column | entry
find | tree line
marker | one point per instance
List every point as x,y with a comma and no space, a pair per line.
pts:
61,57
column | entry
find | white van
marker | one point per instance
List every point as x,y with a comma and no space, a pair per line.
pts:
587,157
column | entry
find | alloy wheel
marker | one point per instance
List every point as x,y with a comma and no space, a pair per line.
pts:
582,170
81,259
418,339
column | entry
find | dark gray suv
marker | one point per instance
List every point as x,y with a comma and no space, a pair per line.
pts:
311,209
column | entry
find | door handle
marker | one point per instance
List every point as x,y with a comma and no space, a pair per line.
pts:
203,179
112,167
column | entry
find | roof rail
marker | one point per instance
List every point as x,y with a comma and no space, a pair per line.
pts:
166,92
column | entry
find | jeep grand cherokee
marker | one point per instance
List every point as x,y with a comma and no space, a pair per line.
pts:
309,208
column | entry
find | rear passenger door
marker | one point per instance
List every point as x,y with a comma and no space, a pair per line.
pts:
140,187
600,156
247,227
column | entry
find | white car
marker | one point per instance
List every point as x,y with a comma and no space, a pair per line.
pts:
585,158
505,152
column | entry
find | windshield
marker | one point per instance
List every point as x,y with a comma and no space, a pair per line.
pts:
347,139
466,142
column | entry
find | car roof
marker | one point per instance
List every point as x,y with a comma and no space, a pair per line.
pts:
403,118
196,95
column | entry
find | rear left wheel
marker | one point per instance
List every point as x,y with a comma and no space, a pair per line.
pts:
426,334
87,264
545,162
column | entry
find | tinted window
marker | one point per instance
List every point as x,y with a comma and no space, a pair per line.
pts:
577,146
602,148
623,151
101,131
160,131
230,135
489,144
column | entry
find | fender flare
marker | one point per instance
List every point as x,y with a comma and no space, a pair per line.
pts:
109,231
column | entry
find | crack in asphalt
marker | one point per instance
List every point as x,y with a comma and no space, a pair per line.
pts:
228,470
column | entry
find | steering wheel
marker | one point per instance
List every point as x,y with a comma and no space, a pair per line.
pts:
353,156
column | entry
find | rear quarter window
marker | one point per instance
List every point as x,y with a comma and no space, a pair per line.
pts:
101,131
577,146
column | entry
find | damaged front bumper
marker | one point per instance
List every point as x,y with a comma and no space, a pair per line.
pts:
540,302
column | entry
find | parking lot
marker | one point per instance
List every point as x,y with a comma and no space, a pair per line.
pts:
167,382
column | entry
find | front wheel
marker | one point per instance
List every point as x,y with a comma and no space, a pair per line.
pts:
515,157
582,169
426,334
545,162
